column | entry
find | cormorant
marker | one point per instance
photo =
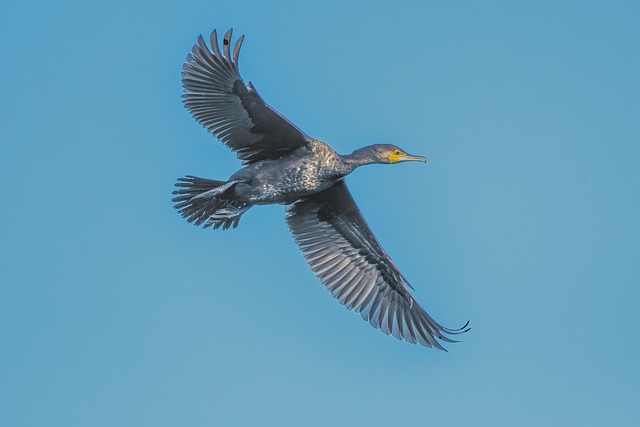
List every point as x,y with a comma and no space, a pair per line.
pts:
285,166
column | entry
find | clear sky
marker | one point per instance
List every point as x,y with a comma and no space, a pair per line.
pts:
116,312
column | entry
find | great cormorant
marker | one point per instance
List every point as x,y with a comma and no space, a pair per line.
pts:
285,166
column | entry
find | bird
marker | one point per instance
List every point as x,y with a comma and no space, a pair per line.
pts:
283,165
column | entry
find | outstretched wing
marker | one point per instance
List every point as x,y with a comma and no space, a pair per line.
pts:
219,100
346,256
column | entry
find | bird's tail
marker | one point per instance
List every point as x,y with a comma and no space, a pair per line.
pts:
208,202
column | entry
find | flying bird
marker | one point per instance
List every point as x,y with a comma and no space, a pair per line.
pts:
283,165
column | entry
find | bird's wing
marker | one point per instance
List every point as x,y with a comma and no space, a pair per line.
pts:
219,100
343,252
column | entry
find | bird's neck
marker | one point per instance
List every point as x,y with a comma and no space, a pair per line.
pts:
358,158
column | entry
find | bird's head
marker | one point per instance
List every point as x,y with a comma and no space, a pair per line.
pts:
386,153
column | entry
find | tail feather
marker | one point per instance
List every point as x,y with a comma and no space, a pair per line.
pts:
192,186
203,201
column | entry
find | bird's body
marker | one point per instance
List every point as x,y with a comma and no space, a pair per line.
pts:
303,172
285,166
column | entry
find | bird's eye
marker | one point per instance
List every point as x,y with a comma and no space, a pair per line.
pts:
397,152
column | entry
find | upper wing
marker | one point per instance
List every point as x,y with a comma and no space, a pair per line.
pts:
218,99
346,256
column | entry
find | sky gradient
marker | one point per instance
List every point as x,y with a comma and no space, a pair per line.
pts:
116,312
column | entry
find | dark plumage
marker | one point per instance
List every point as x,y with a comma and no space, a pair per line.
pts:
285,166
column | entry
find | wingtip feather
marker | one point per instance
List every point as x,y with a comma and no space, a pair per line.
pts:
236,50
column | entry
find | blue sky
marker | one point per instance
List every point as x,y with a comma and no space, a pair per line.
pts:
116,312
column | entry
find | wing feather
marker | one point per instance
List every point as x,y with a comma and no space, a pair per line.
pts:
219,100
346,256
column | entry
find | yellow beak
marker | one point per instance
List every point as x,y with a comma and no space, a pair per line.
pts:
396,158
